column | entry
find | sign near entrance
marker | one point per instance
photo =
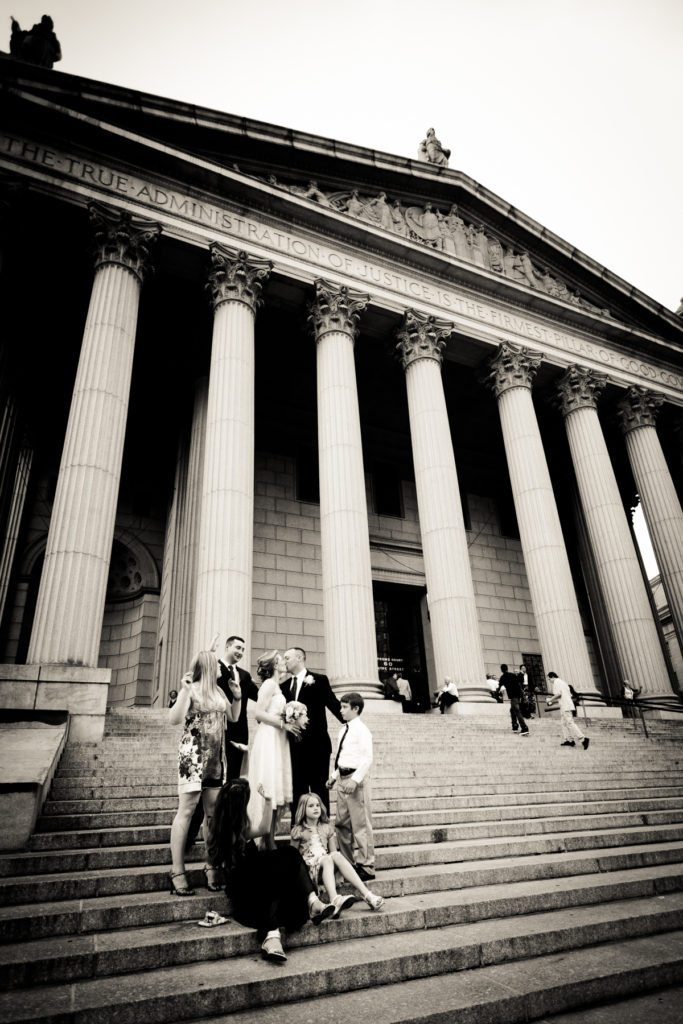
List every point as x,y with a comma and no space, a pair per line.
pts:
390,665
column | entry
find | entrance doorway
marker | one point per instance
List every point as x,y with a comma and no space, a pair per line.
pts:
400,640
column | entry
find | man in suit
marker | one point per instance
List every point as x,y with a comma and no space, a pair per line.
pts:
311,753
237,731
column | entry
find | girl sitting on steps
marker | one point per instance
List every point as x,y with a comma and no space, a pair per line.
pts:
314,837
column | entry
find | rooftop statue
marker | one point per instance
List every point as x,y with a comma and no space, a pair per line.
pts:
38,45
431,151
679,311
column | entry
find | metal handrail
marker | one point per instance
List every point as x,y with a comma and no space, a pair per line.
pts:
638,704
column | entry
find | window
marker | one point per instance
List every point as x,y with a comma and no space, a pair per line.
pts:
307,479
386,490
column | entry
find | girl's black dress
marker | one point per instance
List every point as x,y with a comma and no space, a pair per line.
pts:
269,889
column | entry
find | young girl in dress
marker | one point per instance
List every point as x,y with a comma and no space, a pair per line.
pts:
314,837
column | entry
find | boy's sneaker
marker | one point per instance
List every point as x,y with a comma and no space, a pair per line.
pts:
342,903
365,874
568,743
585,741
525,733
374,902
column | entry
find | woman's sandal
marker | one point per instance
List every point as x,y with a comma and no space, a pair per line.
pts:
212,886
184,890
272,950
212,920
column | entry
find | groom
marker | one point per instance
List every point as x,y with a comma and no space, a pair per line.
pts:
310,753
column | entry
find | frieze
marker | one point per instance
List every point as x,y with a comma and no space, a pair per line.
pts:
389,285
443,230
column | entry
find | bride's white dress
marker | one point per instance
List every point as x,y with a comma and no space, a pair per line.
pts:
270,764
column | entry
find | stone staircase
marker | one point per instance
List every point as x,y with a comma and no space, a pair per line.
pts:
522,879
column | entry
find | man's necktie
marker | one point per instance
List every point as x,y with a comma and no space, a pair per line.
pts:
341,744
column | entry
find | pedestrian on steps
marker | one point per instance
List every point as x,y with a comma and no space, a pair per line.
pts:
562,695
513,688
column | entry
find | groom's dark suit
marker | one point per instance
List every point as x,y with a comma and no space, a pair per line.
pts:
311,753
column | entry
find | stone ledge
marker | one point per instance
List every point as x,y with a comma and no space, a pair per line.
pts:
78,690
30,749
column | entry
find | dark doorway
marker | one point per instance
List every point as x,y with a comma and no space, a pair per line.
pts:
400,641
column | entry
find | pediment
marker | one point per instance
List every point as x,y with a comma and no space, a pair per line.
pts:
384,199
442,228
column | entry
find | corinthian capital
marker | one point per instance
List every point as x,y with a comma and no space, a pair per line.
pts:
122,239
513,366
638,408
336,308
579,388
421,337
235,276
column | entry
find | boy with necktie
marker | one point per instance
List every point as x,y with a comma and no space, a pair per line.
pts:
351,766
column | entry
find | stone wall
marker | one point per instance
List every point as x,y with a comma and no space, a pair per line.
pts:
287,568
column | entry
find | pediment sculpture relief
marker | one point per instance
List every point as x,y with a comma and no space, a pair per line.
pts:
445,231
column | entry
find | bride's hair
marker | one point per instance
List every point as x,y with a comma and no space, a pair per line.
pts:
230,832
204,669
266,664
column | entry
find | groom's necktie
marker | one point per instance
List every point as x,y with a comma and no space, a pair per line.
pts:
341,744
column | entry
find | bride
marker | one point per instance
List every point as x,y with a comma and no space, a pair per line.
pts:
270,765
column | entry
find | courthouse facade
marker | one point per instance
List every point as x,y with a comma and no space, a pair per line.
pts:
262,382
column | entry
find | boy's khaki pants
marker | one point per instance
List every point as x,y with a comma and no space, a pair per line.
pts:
354,824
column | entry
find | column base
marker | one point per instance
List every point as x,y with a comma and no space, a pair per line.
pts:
80,691
368,689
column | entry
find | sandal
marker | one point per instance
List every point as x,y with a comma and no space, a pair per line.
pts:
272,950
212,919
184,889
212,886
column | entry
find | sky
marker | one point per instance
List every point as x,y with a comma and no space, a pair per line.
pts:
569,111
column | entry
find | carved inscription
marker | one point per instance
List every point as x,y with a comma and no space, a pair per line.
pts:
322,257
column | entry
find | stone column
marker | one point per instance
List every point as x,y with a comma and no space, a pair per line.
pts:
560,630
348,606
627,605
68,618
180,561
450,592
663,515
226,533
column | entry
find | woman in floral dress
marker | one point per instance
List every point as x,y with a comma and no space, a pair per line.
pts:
201,757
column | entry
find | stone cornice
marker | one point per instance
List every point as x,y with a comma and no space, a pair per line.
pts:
513,366
421,337
638,408
122,240
336,308
579,388
235,276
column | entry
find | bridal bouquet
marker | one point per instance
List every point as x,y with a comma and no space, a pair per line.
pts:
296,713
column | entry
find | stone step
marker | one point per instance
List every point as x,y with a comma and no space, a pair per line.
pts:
163,812
511,993
55,960
188,991
394,848
397,831
145,869
659,865
574,762
64,790
98,831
